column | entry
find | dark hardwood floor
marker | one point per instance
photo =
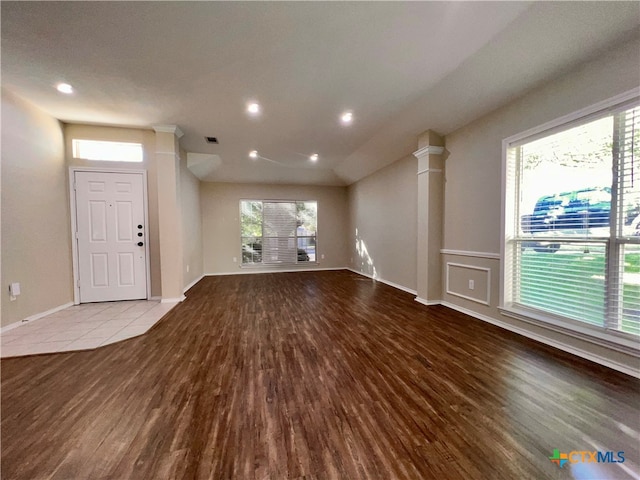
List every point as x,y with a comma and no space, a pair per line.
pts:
313,375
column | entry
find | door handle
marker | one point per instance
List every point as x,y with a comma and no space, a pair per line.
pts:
140,244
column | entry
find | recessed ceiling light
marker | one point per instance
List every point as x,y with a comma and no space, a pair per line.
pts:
64,88
346,118
253,108
314,157
253,154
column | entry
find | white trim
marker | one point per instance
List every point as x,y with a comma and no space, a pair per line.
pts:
503,226
429,170
156,298
244,271
174,129
428,150
13,325
173,300
548,341
577,115
428,303
387,282
34,317
466,297
185,289
468,253
74,240
618,341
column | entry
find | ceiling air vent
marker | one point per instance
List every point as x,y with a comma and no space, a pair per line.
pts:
211,139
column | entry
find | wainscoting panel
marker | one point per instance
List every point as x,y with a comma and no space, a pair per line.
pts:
469,282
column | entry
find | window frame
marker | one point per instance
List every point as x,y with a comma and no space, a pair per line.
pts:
76,147
262,265
614,339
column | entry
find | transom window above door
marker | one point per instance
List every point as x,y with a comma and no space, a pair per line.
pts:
107,151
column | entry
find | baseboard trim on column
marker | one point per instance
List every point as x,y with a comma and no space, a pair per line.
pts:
173,300
427,302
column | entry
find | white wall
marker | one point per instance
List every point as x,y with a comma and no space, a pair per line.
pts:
36,239
220,203
472,205
383,223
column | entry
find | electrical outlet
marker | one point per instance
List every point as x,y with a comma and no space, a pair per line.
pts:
322,256
187,268
472,285
235,259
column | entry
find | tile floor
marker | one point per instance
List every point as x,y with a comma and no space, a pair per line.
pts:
83,327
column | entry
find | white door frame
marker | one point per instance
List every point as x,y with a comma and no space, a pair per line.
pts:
74,222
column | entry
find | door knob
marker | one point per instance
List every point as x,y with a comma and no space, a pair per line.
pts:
140,227
140,244
139,234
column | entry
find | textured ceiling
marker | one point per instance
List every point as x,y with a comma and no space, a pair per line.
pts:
400,67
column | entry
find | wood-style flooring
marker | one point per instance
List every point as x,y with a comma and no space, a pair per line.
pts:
314,375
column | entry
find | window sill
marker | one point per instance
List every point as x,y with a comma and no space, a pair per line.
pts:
614,340
277,266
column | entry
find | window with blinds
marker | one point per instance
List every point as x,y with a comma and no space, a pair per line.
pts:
572,221
278,232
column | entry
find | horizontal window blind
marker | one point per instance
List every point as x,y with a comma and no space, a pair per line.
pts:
573,215
279,232
569,282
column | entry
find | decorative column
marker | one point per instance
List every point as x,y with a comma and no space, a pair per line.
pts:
430,216
169,211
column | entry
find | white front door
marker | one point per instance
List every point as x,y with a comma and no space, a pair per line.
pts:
111,236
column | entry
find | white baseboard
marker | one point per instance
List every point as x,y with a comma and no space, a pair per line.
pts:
37,316
173,300
13,325
427,302
251,271
186,289
547,341
156,298
386,282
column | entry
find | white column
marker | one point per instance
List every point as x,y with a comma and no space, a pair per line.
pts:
169,212
430,217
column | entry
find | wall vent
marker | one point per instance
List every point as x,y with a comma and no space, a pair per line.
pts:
211,139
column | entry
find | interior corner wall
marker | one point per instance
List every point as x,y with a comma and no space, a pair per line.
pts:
36,238
220,203
383,223
472,200
147,139
191,223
